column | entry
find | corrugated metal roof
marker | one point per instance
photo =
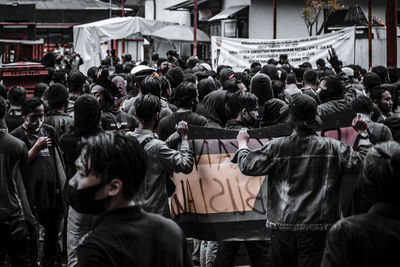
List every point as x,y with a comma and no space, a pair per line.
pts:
186,4
64,4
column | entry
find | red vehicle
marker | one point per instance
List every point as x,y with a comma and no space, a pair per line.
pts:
25,74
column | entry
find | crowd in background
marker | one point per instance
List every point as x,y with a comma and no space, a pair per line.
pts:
155,103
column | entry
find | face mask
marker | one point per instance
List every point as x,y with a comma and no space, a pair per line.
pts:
254,122
34,124
82,200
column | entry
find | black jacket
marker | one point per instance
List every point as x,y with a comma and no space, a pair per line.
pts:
371,239
14,161
131,237
62,122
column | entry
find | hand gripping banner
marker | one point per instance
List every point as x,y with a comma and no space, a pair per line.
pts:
215,201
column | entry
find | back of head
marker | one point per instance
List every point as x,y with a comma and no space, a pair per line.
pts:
91,73
206,86
115,156
291,78
30,105
190,77
371,80
321,62
76,80
362,104
239,101
147,106
231,86
271,71
3,108
175,76
303,109
16,95
261,86
150,85
86,114
380,179
39,89
310,77
57,96
382,73
59,77
186,95
394,74
334,89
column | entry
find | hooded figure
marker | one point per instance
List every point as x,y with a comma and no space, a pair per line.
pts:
214,104
261,86
225,75
276,111
87,115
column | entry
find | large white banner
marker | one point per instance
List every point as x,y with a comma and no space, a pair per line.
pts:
240,53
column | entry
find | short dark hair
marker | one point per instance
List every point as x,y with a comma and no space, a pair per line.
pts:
3,107
291,78
17,95
382,73
115,155
57,96
321,62
165,85
377,92
146,106
371,80
334,89
150,85
175,76
160,61
362,104
310,77
380,180
185,94
39,89
30,105
239,101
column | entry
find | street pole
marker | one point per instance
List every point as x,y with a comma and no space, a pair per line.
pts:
110,9
369,34
123,40
195,29
391,32
274,23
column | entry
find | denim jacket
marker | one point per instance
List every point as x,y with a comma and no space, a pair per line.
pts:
161,162
304,173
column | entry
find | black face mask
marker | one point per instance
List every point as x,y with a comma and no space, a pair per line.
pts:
82,200
253,123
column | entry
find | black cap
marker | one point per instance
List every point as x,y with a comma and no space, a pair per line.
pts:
303,109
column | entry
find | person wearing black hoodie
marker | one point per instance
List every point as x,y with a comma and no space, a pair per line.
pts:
215,102
87,123
242,106
112,117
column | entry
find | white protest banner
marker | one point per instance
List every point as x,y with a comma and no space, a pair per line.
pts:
240,53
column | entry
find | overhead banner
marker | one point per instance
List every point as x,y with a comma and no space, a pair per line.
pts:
216,201
240,53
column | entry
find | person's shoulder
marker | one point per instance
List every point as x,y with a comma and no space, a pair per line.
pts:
18,132
49,129
13,141
164,225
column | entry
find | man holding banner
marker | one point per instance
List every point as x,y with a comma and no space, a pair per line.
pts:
304,174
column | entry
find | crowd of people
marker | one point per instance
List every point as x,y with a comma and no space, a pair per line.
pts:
86,163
